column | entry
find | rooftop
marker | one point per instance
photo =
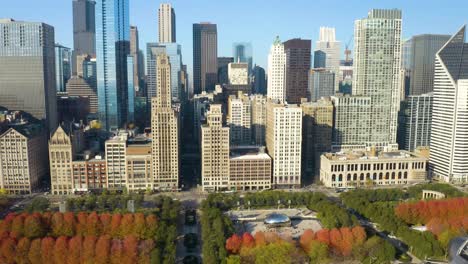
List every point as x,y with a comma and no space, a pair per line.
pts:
371,155
248,152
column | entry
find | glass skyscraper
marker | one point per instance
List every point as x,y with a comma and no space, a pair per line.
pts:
113,47
242,52
62,66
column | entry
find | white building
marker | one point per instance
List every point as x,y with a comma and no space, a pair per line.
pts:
115,149
449,140
328,52
376,74
239,119
276,72
259,103
238,73
166,23
284,143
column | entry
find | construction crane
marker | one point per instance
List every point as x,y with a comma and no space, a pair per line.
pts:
348,51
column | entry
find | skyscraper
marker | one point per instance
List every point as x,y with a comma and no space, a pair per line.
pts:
84,30
321,84
113,48
259,80
377,76
63,59
297,69
27,69
415,121
327,52
166,23
242,52
284,143
423,50
164,130
60,159
205,55
239,119
215,151
259,103
223,74
449,143
138,71
276,72
238,73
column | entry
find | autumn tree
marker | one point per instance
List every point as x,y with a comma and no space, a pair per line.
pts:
145,248
33,227
57,224
233,244
126,226
93,225
306,238
34,254
61,250
130,250
47,249
22,250
116,251
103,249
248,241
115,225
89,245
75,249
260,239
8,250
318,252
69,224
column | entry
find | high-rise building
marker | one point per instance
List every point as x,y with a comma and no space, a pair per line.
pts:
205,57
259,80
223,74
113,49
242,52
284,143
238,73
259,103
317,129
321,84
23,159
115,153
239,119
406,61
138,71
139,159
63,59
276,72
164,131
166,23
78,87
60,160
423,50
297,69
174,51
215,151
377,76
415,121
27,69
327,52
449,143
84,27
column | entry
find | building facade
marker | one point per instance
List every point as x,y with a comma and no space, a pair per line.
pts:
60,161
138,68
78,87
113,50
259,103
223,71
276,72
242,52
415,121
321,84
284,143
84,27
259,80
205,57
239,119
297,69
27,71
115,153
164,131
327,53
449,144
238,73
360,168
63,63
139,162
215,151
249,170
166,23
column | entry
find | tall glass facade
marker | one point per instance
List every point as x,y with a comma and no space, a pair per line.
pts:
62,66
113,47
242,52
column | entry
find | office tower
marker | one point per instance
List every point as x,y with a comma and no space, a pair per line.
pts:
63,58
201,103
276,72
239,119
164,130
415,121
297,69
130,90
321,84
23,158
259,80
215,151
351,120
249,169
259,103
173,50
72,109
284,143
139,169
223,75
423,50
60,160
115,153
406,61
377,76
138,70
449,144
166,23
84,27
27,69
327,52
242,52
238,73
317,129
113,48
205,57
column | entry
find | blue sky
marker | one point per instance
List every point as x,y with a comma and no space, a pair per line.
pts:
257,21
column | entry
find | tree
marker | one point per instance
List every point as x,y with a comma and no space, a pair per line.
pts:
69,224
33,227
145,249
126,225
359,235
248,241
75,249
81,226
22,250
233,244
139,226
116,252
61,250
130,251
34,254
8,250
306,238
47,249
17,226
151,226
103,249
93,225
105,220
318,252
323,236
57,224
89,245
260,239
115,225
38,204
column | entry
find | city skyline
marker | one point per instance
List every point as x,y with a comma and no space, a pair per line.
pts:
143,14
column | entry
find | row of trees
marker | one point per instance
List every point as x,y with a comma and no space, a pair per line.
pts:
216,227
77,250
103,202
69,224
381,211
324,246
447,189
